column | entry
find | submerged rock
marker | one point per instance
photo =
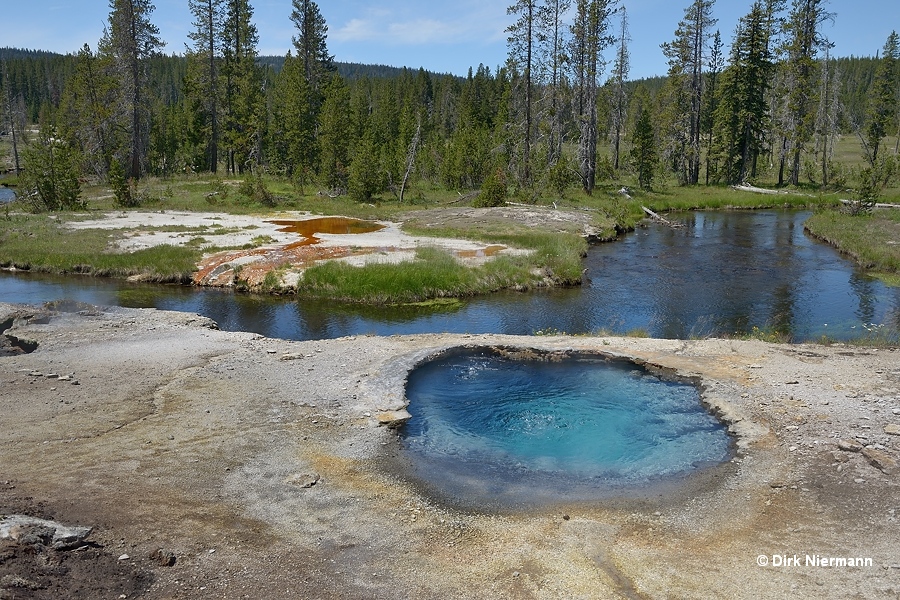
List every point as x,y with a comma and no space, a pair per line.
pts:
393,418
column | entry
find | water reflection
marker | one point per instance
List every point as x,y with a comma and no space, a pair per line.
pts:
725,273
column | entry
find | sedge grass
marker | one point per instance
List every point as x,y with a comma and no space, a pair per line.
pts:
434,274
871,240
37,243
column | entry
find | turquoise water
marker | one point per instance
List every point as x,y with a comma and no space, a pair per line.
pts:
488,424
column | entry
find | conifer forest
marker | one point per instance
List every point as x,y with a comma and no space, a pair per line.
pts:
766,103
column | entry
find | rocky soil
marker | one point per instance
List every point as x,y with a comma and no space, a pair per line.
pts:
212,464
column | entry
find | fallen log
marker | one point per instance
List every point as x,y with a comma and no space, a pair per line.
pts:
758,190
755,190
662,220
876,205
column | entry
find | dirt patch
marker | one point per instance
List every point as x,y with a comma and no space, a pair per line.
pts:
578,222
30,568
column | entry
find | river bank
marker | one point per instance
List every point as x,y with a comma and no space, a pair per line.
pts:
260,465
199,231
279,252
872,240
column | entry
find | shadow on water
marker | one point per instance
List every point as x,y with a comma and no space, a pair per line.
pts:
723,274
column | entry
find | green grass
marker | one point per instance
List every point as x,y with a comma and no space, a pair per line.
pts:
434,274
767,334
37,243
557,254
873,241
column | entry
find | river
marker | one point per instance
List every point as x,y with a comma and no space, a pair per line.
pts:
722,274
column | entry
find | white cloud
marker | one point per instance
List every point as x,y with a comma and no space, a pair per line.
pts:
424,31
357,30
425,25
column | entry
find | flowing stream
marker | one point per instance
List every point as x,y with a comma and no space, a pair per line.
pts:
723,274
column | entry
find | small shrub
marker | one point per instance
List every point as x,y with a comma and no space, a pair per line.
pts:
493,190
560,176
124,189
50,179
605,170
254,188
219,190
767,335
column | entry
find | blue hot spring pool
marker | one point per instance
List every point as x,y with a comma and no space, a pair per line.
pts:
487,428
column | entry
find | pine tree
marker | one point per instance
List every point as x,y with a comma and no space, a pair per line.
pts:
334,134
310,43
293,129
88,106
12,116
589,38
829,107
365,173
883,101
551,56
644,156
804,40
521,40
742,116
714,69
244,101
50,178
619,96
203,84
686,56
130,40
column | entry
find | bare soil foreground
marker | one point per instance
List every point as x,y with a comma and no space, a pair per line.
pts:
261,468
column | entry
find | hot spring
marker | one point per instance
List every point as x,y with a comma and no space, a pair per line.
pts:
491,427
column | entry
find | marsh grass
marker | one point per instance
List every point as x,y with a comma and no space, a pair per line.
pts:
765,334
434,274
871,240
36,243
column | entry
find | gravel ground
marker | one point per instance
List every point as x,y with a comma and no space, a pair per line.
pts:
262,467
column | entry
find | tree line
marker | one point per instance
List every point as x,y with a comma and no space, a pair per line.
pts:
560,112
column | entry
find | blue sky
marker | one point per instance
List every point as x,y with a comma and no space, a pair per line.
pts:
439,36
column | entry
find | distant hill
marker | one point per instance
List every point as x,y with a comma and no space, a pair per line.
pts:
346,70
7,53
